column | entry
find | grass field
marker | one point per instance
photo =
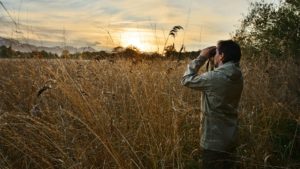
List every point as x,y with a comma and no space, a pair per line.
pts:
123,114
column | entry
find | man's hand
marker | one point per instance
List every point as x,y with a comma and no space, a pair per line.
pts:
208,52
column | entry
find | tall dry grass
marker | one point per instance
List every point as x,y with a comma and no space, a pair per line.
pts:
123,114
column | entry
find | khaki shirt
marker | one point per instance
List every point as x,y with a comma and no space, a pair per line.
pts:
221,89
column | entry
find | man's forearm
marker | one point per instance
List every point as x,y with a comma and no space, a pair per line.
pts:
195,65
191,72
190,77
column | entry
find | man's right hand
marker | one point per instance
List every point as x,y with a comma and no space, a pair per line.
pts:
208,52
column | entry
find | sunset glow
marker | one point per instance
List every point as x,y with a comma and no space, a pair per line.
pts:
133,39
136,38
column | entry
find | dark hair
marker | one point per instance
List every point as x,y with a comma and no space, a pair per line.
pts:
231,50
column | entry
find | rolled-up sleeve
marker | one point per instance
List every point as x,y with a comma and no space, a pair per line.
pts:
192,79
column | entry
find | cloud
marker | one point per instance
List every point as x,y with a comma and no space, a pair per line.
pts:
90,21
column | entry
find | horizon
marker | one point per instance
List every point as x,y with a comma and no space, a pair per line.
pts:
103,25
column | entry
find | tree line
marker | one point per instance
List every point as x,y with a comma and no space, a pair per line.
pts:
117,52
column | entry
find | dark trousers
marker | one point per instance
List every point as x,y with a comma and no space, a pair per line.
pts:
218,160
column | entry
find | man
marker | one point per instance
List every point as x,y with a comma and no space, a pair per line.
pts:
221,90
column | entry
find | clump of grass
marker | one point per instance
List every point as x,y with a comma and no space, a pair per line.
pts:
103,114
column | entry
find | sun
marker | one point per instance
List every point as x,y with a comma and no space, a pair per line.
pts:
137,39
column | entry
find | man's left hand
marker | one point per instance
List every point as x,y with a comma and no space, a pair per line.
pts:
208,52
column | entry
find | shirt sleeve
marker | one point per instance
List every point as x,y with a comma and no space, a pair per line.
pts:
192,79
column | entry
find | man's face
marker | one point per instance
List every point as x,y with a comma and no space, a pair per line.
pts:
218,58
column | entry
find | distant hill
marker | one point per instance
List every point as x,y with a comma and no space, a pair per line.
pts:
23,47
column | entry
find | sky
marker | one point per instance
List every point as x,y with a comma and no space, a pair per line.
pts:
104,24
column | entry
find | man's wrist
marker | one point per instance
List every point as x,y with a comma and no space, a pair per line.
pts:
198,62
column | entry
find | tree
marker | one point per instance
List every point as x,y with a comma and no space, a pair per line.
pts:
271,29
65,54
118,49
131,52
6,52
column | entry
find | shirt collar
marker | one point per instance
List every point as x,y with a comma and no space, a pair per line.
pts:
228,64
